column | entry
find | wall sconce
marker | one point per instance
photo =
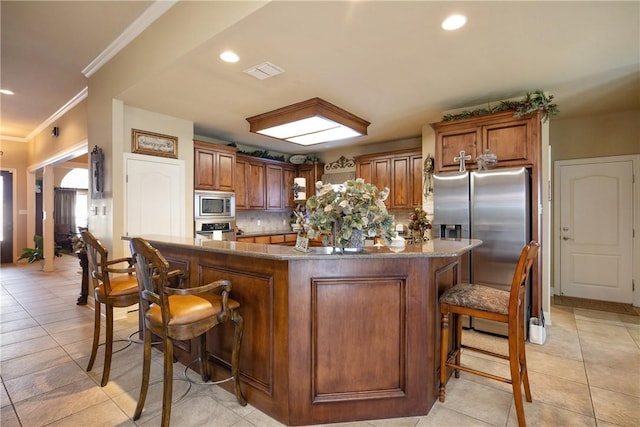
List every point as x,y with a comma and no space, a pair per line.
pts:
309,122
299,189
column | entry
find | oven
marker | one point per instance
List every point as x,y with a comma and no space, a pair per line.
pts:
218,230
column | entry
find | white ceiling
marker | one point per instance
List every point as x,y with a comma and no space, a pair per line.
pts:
387,62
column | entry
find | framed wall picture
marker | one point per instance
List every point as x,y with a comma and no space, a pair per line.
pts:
155,144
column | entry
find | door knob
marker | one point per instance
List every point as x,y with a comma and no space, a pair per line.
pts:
566,238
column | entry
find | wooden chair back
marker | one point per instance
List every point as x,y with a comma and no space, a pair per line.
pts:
520,278
97,255
152,271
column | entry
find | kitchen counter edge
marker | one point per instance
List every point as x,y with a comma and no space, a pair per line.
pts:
431,248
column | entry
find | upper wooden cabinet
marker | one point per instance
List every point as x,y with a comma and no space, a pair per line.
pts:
312,173
279,185
400,171
514,140
250,183
214,166
263,184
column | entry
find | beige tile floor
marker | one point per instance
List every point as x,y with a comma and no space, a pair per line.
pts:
586,374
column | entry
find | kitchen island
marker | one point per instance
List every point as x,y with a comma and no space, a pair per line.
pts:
328,337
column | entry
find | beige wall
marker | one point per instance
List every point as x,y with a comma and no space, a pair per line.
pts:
151,52
597,136
14,158
73,130
29,157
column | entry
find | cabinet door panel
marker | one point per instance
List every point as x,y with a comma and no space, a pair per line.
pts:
312,173
275,183
275,239
204,162
256,186
416,176
287,189
400,183
241,185
381,174
451,143
365,171
508,141
226,171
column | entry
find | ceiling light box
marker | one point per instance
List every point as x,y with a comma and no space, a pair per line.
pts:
309,122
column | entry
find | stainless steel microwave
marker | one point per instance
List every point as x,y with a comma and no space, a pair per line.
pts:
214,204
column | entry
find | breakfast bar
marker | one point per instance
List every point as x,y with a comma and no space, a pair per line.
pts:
328,337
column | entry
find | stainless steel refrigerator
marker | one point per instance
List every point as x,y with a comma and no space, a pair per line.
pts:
495,207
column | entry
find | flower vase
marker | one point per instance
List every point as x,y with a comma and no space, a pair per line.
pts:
418,236
354,244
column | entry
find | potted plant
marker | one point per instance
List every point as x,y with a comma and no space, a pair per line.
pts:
347,215
34,254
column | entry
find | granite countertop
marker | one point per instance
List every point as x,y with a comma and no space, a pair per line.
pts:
432,248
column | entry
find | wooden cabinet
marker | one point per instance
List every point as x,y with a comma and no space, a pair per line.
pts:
214,166
400,171
250,183
376,171
312,173
288,174
279,186
288,239
517,142
416,177
275,186
263,184
514,140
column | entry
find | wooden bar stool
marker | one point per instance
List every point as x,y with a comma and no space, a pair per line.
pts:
112,286
493,304
177,313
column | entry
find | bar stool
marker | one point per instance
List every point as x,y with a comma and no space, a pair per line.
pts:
113,287
177,313
493,304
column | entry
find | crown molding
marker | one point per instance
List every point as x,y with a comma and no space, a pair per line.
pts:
13,138
81,96
153,12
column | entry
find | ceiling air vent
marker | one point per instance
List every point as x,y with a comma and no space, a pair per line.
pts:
264,71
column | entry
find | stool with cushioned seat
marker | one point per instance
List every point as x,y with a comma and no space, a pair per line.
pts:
113,287
493,304
177,313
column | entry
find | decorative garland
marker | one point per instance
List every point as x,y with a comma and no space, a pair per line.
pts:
533,101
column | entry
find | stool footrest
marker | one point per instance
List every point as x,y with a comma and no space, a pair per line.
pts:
477,372
483,351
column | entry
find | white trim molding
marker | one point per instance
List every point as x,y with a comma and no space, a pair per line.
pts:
148,17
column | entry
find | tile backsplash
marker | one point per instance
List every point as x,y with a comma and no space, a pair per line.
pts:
262,221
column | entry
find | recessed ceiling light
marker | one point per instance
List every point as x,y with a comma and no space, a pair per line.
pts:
228,56
454,22
6,92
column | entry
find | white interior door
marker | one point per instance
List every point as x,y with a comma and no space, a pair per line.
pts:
155,196
596,230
